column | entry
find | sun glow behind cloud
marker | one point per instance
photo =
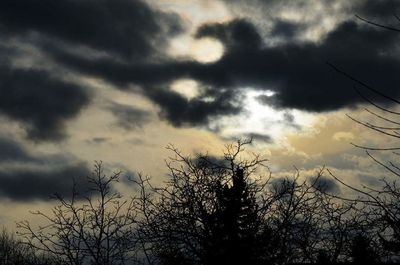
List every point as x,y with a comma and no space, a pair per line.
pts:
206,50
195,13
186,87
262,119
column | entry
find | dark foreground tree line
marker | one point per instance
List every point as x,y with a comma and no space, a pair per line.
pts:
227,210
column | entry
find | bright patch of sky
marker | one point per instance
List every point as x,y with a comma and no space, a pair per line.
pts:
262,119
186,87
204,50
193,14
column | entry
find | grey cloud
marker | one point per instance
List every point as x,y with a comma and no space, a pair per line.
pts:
26,184
383,10
125,28
99,140
129,117
41,102
286,30
25,175
181,111
10,150
288,117
238,34
325,184
260,137
296,71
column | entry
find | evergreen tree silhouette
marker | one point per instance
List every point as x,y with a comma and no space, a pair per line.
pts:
235,224
361,250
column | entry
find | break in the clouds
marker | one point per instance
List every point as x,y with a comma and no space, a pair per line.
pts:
298,72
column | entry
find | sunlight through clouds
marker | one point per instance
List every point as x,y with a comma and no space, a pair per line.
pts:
186,87
195,13
206,50
262,120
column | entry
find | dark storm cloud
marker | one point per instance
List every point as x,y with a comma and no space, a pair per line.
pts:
270,3
300,76
325,184
181,111
37,176
10,150
378,9
258,137
25,184
155,79
129,117
297,72
41,102
124,73
236,35
371,8
215,162
286,29
122,27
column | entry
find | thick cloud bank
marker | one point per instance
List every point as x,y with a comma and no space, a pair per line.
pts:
123,42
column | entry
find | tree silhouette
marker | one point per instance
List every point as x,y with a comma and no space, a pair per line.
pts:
361,250
97,227
211,211
234,226
231,211
14,252
208,213
381,204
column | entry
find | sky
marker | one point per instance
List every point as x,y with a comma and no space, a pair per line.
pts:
118,80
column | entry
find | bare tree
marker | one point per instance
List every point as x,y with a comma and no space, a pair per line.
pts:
207,213
97,227
14,252
232,211
381,204
308,223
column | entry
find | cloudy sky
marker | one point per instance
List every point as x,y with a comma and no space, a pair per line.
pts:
118,80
